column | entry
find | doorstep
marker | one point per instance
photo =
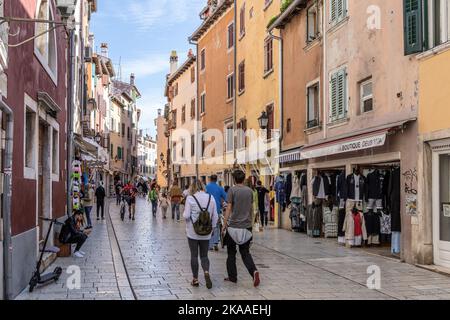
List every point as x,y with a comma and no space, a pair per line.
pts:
438,269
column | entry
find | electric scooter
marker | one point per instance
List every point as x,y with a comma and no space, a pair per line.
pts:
42,279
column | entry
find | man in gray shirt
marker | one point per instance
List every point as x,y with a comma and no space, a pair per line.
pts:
239,216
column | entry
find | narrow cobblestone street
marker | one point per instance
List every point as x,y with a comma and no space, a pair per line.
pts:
149,259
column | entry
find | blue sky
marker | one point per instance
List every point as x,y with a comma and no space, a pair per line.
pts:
141,34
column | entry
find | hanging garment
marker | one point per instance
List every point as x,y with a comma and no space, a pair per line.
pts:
358,229
341,219
280,190
303,181
372,220
385,223
296,194
341,187
288,188
349,226
330,222
356,186
314,220
396,238
394,194
374,185
321,187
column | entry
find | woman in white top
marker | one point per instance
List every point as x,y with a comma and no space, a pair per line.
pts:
197,242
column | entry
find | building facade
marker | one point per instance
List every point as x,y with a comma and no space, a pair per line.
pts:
181,91
432,240
147,157
37,91
214,40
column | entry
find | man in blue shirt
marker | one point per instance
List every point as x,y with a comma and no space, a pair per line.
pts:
219,195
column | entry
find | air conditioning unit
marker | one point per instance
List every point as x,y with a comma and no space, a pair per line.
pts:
88,54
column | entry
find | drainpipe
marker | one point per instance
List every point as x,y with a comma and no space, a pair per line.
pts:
235,78
197,116
7,192
70,135
324,67
281,105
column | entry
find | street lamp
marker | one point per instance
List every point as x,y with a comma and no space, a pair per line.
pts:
263,120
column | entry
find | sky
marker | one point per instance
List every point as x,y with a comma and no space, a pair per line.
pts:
141,35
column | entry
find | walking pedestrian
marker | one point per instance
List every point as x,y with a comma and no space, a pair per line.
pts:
238,228
118,189
263,194
220,196
164,204
100,195
175,195
201,217
154,199
131,192
88,203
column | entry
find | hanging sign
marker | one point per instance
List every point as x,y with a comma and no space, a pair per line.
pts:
346,146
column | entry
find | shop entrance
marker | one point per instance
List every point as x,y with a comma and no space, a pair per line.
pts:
441,208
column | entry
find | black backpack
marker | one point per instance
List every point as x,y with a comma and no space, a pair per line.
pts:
64,234
203,225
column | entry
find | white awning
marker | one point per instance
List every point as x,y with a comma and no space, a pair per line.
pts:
291,156
360,142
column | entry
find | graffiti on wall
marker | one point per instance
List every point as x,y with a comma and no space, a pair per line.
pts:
410,189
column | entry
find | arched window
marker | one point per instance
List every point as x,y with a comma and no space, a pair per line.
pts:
45,45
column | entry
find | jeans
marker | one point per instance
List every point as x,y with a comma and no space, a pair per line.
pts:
215,239
244,250
79,239
164,211
396,238
264,218
154,207
175,207
118,199
100,205
194,246
87,211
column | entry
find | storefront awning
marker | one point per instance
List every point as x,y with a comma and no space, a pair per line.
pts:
290,156
356,143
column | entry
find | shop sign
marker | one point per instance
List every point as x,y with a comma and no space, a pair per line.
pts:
348,146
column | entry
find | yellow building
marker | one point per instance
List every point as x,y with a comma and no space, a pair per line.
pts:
257,86
432,243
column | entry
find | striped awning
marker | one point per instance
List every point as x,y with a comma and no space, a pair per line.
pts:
291,156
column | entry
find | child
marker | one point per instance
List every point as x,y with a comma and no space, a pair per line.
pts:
164,204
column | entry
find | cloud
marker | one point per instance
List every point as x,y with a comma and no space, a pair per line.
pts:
149,14
146,65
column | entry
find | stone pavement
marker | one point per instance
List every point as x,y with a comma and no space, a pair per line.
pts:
149,259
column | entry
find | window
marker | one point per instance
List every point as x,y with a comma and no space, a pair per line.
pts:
183,147
183,114
175,89
270,123
366,94
119,153
112,151
128,133
242,76
268,55
192,108
230,37
241,129
313,106
251,12
174,119
203,103
203,145
413,26
230,87
192,74
123,129
55,151
174,152
242,21
229,138
192,145
338,95
30,135
338,10
203,59
439,17
45,45
313,24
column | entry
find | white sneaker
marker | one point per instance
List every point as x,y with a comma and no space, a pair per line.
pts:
78,254
82,252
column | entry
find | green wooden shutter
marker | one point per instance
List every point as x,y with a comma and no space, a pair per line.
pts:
341,10
341,94
334,94
413,23
333,10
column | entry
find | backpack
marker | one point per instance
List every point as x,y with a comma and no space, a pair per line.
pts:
203,225
153,195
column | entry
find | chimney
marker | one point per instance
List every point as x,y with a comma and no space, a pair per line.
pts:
173,62
190,53
159,112
132,79
104,49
